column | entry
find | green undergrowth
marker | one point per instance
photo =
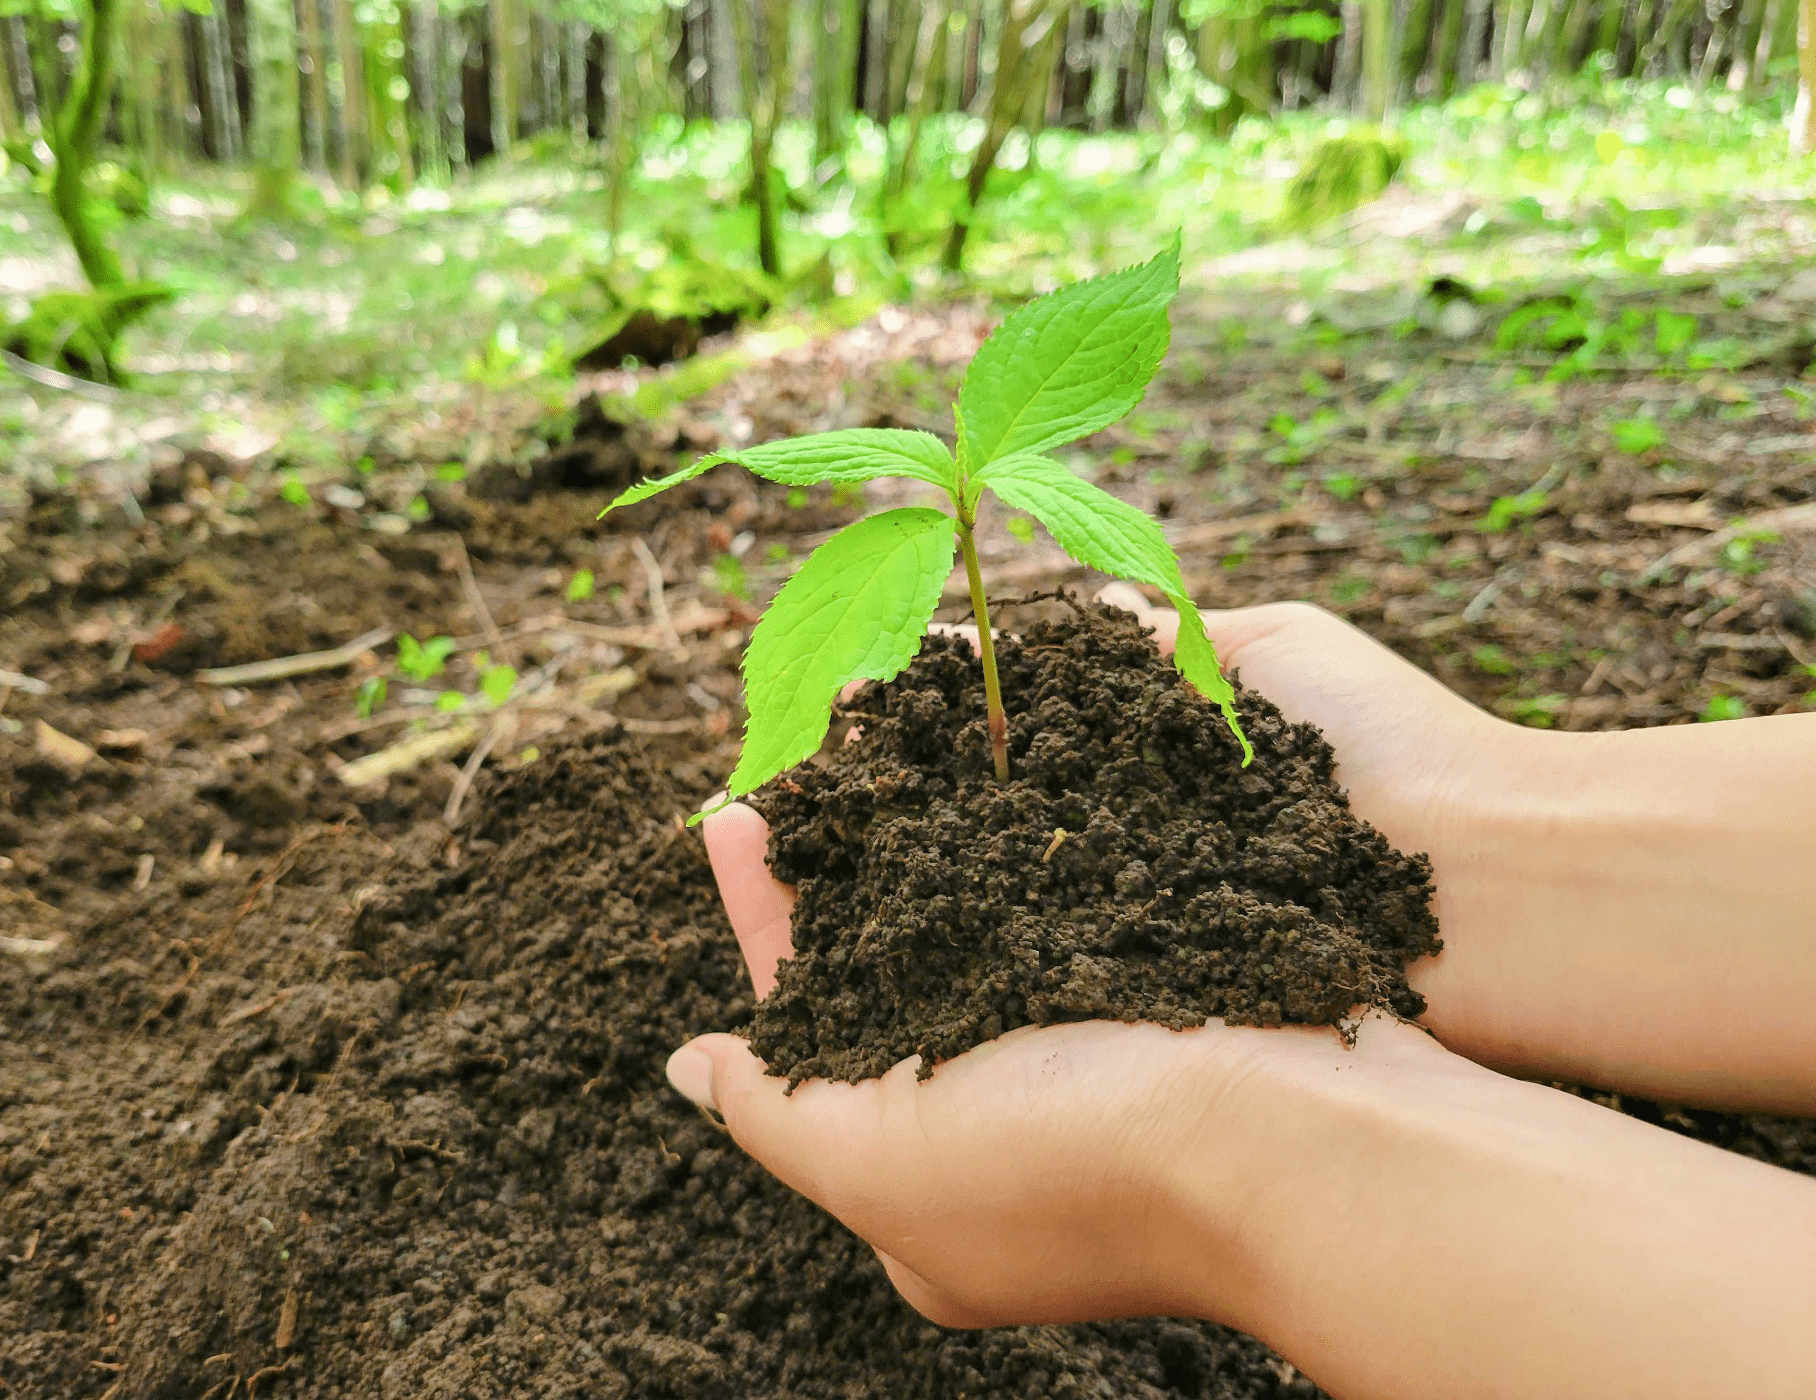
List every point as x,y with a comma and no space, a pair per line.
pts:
1591,194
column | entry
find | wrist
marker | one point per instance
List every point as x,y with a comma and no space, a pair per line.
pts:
1276,1123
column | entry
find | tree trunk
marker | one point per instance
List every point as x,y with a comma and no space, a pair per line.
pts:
315,58
1024,25
12,126
276,97
1414,48
1803,117
1160,29
1749,24
1608,32
142,22
504,84
832,25
1346,79
355,156
767,79
388,119
425,26
1770,27
223,95
1377,46
929,58
454,91
31,110
1442,71
1233,54
1475,38
73,137
1510,43
1573,40
1679,14
577,35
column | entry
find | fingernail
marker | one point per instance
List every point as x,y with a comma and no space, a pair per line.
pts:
691,1072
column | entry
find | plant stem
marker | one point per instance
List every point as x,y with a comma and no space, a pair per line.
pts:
986,652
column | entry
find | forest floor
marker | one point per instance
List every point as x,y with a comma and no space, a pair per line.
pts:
336,1016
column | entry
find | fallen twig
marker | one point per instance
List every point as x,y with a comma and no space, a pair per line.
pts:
501,728
1784,518
14,680
658,600
302,664
494,638
57,379
258,1008
408,753
28,947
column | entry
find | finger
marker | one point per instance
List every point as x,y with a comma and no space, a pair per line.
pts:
822,1133
1316,666
758,905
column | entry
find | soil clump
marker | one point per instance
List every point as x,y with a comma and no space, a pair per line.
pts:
1130,870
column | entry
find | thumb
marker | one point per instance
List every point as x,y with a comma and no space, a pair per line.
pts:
805,1139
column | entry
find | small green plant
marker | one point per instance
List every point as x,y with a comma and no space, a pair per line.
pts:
1636,436
730,576
1059,368
1740,555
497,682
369,696
580,586
422,661
291,488
1722,707
1534,711
1492,660
1507,509
1675,332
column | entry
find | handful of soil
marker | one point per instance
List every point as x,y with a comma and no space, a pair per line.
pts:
1130,870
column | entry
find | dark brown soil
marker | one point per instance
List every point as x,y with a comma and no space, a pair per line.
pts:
315,1095
439,1158
1130,870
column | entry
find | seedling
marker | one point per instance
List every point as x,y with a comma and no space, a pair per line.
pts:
1507,509
1636,436
422,661
1061,367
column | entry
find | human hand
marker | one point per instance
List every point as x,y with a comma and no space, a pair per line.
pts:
1395,1220
1629,910
1039,1178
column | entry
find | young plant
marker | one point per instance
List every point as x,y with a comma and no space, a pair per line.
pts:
1061,367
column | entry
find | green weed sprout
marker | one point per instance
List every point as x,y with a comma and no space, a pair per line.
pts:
1059,368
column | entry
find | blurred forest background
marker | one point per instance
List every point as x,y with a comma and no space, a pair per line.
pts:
1495,332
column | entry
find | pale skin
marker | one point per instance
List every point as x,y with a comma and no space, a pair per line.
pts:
1403,1219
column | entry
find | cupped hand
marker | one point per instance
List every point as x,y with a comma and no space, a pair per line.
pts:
1055,1174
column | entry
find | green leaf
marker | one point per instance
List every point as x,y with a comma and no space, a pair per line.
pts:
852,454
1067,364
369,696
1102,532
497,682
856,610
580,586
422,661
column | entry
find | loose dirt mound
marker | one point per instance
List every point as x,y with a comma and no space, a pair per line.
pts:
1130,870
410,1138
